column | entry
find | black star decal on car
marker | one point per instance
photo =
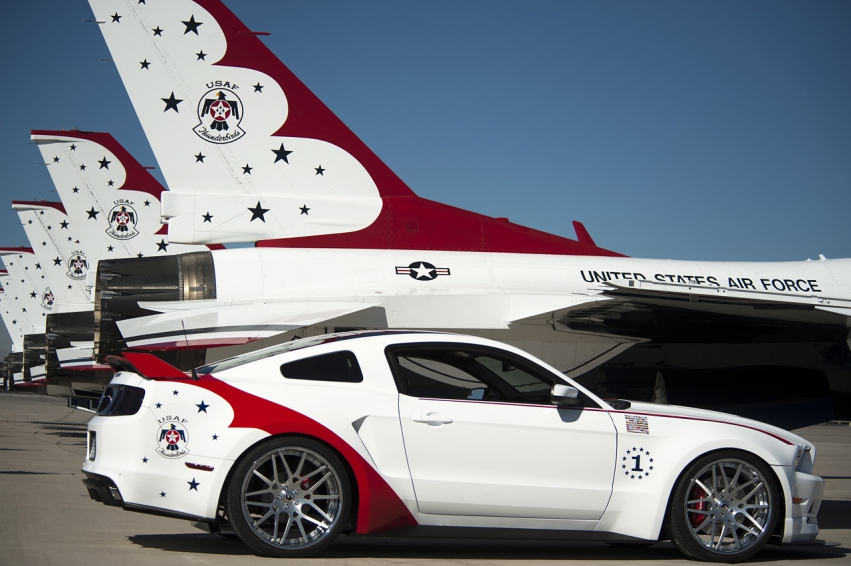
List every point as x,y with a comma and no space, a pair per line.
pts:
29,221
55,159
70,287
33,294
202,407
258,87
171,103
258,212
147,203
191,25
116,18
320,170
145,64
281,154
201,56
110,183
175,392
162,246
215,437
200,157
247,169
304,209
110,248
82,167
38,266
209,217
159,405
144,460
57,261
49,227
158,31
162,494
75,190
73,147
140,254
193,484
92,213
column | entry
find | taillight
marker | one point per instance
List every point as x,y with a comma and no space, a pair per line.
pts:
118,400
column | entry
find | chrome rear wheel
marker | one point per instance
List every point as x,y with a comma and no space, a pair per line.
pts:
289,497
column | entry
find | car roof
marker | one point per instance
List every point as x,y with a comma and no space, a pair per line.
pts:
311,341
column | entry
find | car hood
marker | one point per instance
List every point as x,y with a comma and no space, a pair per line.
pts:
691,412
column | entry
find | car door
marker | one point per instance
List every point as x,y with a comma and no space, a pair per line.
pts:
483,439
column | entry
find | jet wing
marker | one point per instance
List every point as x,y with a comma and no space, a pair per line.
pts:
670,312
210,324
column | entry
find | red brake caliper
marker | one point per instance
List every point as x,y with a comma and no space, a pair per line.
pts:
696,519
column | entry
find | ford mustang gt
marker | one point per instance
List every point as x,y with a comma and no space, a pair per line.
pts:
403,432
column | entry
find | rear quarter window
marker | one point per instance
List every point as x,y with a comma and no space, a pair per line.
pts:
341,367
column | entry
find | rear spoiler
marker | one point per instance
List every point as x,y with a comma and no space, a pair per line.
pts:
146,365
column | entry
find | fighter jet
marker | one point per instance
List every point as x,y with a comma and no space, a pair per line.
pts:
342,241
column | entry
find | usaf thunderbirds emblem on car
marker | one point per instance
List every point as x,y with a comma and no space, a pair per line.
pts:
77,265
47,299
422,271
220,112
122,220
172,438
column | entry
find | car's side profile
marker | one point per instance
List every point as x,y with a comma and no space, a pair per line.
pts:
393,432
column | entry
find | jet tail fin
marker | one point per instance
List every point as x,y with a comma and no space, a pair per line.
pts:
582,234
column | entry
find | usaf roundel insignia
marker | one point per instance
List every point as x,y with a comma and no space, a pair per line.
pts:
122,220
422,271
77,265
172,440
219,112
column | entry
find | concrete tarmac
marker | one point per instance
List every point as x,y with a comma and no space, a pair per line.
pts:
47,518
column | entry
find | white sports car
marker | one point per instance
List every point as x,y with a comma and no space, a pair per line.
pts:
402,432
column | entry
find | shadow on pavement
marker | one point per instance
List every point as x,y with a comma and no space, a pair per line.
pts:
197,543
401,548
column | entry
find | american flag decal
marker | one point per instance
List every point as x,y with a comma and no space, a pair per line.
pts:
637,424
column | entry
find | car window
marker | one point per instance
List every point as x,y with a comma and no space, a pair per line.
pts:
452,371
338,366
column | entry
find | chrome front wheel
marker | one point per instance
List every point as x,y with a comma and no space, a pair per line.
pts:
724,507
289,497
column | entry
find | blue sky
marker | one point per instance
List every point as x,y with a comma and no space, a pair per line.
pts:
686,130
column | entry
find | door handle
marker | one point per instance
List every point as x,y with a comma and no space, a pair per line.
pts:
431,419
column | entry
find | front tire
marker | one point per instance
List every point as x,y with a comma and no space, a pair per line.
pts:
724,507
289,497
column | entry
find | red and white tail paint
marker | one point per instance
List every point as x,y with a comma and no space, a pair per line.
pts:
112,202
250,153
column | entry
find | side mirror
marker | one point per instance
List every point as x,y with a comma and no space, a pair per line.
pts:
565,396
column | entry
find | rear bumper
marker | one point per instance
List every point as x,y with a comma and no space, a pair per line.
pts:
104,490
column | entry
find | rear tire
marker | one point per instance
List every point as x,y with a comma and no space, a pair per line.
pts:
724,507
289,497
